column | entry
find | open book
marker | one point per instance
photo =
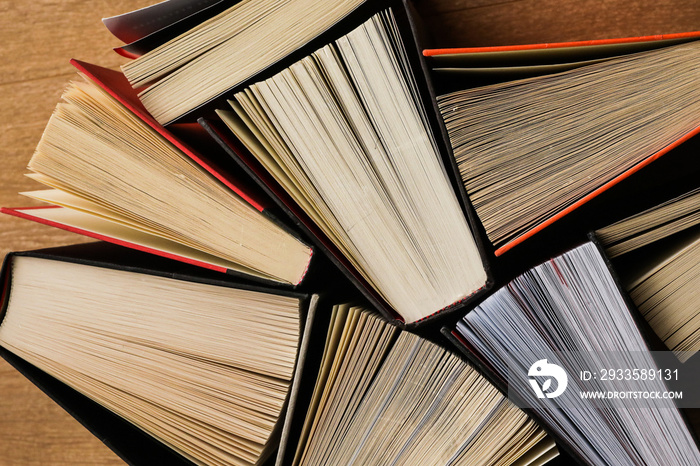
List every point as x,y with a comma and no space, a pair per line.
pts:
215,55
169,363
197,361
119,176
580,118
359,162
347,136
657,255
565,342
383,396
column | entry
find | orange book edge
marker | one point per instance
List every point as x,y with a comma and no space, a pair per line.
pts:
554,45
508,246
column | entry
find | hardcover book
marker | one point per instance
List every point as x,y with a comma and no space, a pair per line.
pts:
559,340
597,112
167,363
376,192
117,175
656,255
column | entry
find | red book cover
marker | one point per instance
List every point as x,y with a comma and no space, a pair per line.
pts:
26,213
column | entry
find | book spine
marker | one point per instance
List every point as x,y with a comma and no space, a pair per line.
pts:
5,277
296,409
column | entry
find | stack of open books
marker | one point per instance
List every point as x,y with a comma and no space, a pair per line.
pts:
283,190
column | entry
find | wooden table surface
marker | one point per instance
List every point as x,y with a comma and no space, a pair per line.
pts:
39,37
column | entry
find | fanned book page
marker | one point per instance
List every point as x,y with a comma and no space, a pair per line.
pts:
115,177
530,151
205,369
227,49
390,397
651,225
344,132
562,320
658,252
667,298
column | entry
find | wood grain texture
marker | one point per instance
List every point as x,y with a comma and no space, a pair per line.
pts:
38,40
40,37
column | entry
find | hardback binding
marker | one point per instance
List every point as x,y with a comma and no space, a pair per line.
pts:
652,342
677,37
130,443
217,163
409,29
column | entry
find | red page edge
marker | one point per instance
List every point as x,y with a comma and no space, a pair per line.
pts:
16,213
146,118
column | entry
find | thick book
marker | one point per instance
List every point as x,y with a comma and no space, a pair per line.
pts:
394,185
204,62
117,175
164,362
597,113
90,341
383,396
560,340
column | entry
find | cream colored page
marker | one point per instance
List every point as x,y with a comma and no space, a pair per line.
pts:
379,176
585,127
110,229
99,150
258,34
172,356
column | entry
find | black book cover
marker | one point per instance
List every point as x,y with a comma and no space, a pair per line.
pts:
128,441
